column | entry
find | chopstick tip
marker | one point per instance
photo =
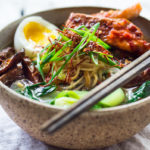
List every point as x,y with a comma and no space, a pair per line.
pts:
46,127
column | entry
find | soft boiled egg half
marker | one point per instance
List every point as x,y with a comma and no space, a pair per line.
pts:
34,33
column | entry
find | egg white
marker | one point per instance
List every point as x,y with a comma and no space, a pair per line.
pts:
20,40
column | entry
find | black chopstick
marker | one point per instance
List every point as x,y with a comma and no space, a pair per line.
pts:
98,93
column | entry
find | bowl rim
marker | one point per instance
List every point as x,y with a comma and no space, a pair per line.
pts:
120,108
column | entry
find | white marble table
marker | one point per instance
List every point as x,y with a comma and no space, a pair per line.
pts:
13,137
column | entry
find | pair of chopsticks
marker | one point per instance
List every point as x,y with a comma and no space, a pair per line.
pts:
98,93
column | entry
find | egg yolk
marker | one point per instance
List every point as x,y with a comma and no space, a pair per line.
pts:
37,33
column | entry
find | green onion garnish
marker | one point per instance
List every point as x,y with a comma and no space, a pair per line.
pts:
39,67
